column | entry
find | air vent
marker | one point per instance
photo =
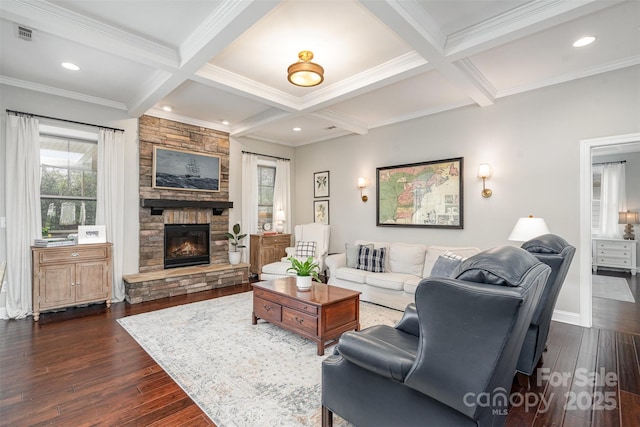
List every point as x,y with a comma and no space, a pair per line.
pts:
24,33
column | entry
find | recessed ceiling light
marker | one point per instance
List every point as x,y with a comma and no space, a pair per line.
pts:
225,122
296,129
70,66
584,41
167,108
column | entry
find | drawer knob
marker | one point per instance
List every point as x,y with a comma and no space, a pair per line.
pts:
75,254
267,307
299,320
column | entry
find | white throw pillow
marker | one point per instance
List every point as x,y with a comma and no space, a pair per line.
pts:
407,258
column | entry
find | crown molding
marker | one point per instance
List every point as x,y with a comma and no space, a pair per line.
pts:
516,23
342,121
422,113
394,70
218,77
587,72
37,87
45,16
161,114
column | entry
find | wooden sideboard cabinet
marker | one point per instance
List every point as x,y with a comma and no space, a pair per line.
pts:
616,253
70,275
267,249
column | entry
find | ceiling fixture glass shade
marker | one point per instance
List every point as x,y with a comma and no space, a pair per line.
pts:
304,72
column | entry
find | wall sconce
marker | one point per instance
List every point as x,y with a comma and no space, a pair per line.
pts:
484,172
280,218
362,183
628,218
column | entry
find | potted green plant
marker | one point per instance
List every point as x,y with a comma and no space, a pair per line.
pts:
305,270
235,254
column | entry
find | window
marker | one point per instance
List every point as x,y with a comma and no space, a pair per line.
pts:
595,199
266,181
68,183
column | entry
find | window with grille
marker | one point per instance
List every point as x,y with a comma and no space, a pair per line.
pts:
68,183
266,182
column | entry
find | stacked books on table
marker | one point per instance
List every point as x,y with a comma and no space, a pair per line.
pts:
53,241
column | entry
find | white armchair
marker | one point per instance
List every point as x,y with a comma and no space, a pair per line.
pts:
318,233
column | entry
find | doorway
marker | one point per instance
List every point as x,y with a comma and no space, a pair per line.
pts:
587,147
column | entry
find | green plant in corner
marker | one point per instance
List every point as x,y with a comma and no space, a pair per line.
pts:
304,268
235,238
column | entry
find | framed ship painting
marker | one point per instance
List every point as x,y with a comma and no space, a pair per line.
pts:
185,170
427,194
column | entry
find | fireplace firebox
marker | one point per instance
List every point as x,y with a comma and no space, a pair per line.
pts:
186,244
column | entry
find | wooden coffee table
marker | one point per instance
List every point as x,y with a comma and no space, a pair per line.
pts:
320,314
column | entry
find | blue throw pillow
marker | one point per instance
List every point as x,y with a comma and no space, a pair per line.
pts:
371,259
445,265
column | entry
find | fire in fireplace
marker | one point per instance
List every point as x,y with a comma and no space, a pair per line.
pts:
186,244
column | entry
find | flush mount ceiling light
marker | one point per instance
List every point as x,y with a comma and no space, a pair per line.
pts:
584,41
70,66
304,72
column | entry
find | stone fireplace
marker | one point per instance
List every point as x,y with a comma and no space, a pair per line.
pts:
185,245
162,208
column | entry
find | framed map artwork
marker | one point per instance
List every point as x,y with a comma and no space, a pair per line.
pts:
427,194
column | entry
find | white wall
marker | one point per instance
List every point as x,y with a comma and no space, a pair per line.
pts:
49,105
530,140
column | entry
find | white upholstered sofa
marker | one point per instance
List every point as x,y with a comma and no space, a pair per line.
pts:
405,265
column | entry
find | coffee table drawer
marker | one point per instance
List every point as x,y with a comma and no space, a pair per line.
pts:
298,320
267,310
283,300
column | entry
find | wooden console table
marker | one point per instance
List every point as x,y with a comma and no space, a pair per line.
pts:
320,314
265,249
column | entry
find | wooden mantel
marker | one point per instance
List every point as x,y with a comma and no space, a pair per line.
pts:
157,205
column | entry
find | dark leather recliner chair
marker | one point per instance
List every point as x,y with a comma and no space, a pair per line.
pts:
557,254
456,346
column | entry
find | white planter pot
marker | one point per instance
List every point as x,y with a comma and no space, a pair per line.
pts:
234,257
303,282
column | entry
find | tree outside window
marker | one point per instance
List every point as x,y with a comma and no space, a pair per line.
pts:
266,182
68,184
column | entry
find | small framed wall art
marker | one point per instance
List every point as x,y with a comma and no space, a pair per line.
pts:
321,211
321,184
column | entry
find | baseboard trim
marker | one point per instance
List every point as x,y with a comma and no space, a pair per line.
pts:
566,317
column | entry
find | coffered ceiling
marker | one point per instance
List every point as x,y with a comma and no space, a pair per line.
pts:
385,61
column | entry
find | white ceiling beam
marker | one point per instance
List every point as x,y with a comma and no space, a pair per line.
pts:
342,121
255,122
409,20
218,30
214,76
63,23
525,20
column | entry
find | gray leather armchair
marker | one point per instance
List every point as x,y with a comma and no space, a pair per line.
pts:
460,341
557,254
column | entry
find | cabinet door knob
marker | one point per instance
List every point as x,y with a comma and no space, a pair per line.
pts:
77,283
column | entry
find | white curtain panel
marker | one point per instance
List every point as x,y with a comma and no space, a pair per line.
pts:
613,199
110,202
282,192
249,199
24,221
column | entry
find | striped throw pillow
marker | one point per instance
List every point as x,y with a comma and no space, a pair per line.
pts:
305,249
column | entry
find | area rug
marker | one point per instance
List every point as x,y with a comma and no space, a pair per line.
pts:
608,287
238,373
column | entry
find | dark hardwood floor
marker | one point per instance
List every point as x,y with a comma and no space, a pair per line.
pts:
619,316
80,368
